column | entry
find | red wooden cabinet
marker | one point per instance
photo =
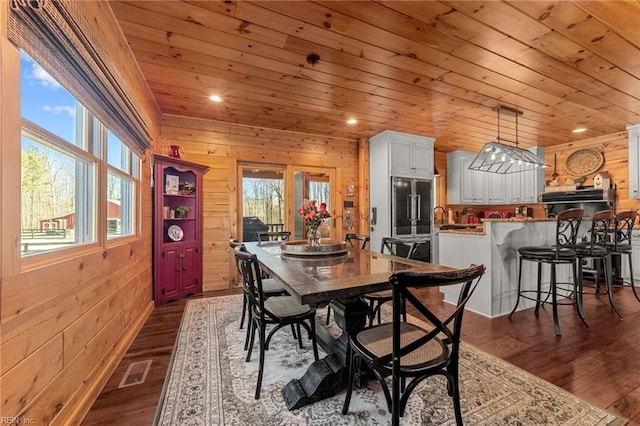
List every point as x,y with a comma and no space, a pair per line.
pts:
177,236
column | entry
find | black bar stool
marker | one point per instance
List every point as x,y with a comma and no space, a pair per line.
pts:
621,245
596,248
562,252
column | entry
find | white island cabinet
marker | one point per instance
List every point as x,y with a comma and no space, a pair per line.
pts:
496,248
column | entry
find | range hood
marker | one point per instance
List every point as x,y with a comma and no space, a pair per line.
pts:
586,195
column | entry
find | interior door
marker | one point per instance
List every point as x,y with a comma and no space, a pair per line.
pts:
311,183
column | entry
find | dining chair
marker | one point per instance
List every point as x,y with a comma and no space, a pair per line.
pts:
621,244
596,248
363,240
351,239
563,252
395,247
270,286
276,312
264,236
414,350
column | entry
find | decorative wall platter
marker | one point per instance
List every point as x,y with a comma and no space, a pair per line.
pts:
302,248
584,162
175,233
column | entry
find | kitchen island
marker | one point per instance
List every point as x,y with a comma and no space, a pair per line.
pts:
496,247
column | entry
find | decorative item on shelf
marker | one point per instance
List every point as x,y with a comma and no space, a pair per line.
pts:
602,180
313,217
181,211
172,184
175,151
188,188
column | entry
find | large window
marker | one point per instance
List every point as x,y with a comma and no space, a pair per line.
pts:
65,149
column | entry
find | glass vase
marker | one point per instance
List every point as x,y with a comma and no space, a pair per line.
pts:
314,237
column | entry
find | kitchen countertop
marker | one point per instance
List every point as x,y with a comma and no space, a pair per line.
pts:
527,219
479,230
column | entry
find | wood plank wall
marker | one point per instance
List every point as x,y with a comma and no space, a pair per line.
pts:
615,149
221,146
66,321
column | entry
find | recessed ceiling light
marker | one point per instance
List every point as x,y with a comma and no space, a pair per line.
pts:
579,130
352,121
215,98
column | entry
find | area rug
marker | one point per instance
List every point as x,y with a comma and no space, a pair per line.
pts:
209,383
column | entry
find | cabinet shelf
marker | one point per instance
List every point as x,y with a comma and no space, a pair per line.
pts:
180,195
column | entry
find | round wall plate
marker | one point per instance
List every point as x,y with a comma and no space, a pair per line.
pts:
175,233
584,162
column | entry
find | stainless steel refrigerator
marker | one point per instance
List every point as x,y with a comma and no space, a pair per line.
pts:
407,215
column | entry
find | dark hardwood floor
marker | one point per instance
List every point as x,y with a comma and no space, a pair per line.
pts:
600,365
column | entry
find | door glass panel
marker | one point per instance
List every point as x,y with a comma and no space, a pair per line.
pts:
262,200
311,185
424,207
401,213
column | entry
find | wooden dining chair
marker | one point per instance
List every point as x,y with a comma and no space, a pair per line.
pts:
406,350
350,239
395,247
270,286
265,236
274,312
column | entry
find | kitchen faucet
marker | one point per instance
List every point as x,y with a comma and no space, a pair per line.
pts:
442,218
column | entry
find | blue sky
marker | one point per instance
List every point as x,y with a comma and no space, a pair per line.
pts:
49,105
44,101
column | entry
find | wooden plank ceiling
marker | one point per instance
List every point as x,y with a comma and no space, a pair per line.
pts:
433,68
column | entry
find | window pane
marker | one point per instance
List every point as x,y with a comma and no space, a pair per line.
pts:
120,191
49,105
57,198
262,202
117,152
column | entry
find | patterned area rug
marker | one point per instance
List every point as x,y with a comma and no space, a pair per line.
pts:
209,383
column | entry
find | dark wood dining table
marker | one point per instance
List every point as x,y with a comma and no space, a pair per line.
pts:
339,279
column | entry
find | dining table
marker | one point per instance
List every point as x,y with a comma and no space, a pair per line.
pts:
338,277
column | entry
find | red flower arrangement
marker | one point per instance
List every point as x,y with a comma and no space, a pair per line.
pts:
312,215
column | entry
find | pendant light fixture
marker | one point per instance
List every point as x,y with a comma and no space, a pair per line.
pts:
498,157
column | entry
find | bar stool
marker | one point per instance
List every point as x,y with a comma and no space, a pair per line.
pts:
562,252
596,248
621,245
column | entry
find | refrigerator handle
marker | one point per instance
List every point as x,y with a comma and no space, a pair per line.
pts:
418,207
409,207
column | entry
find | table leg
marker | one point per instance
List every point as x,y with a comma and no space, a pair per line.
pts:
325,377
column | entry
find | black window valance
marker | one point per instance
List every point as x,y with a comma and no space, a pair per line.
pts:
59,36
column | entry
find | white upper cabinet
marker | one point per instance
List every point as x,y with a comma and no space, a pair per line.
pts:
466,186
634,161
408,155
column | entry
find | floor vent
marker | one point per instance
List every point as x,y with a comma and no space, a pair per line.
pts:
136,374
